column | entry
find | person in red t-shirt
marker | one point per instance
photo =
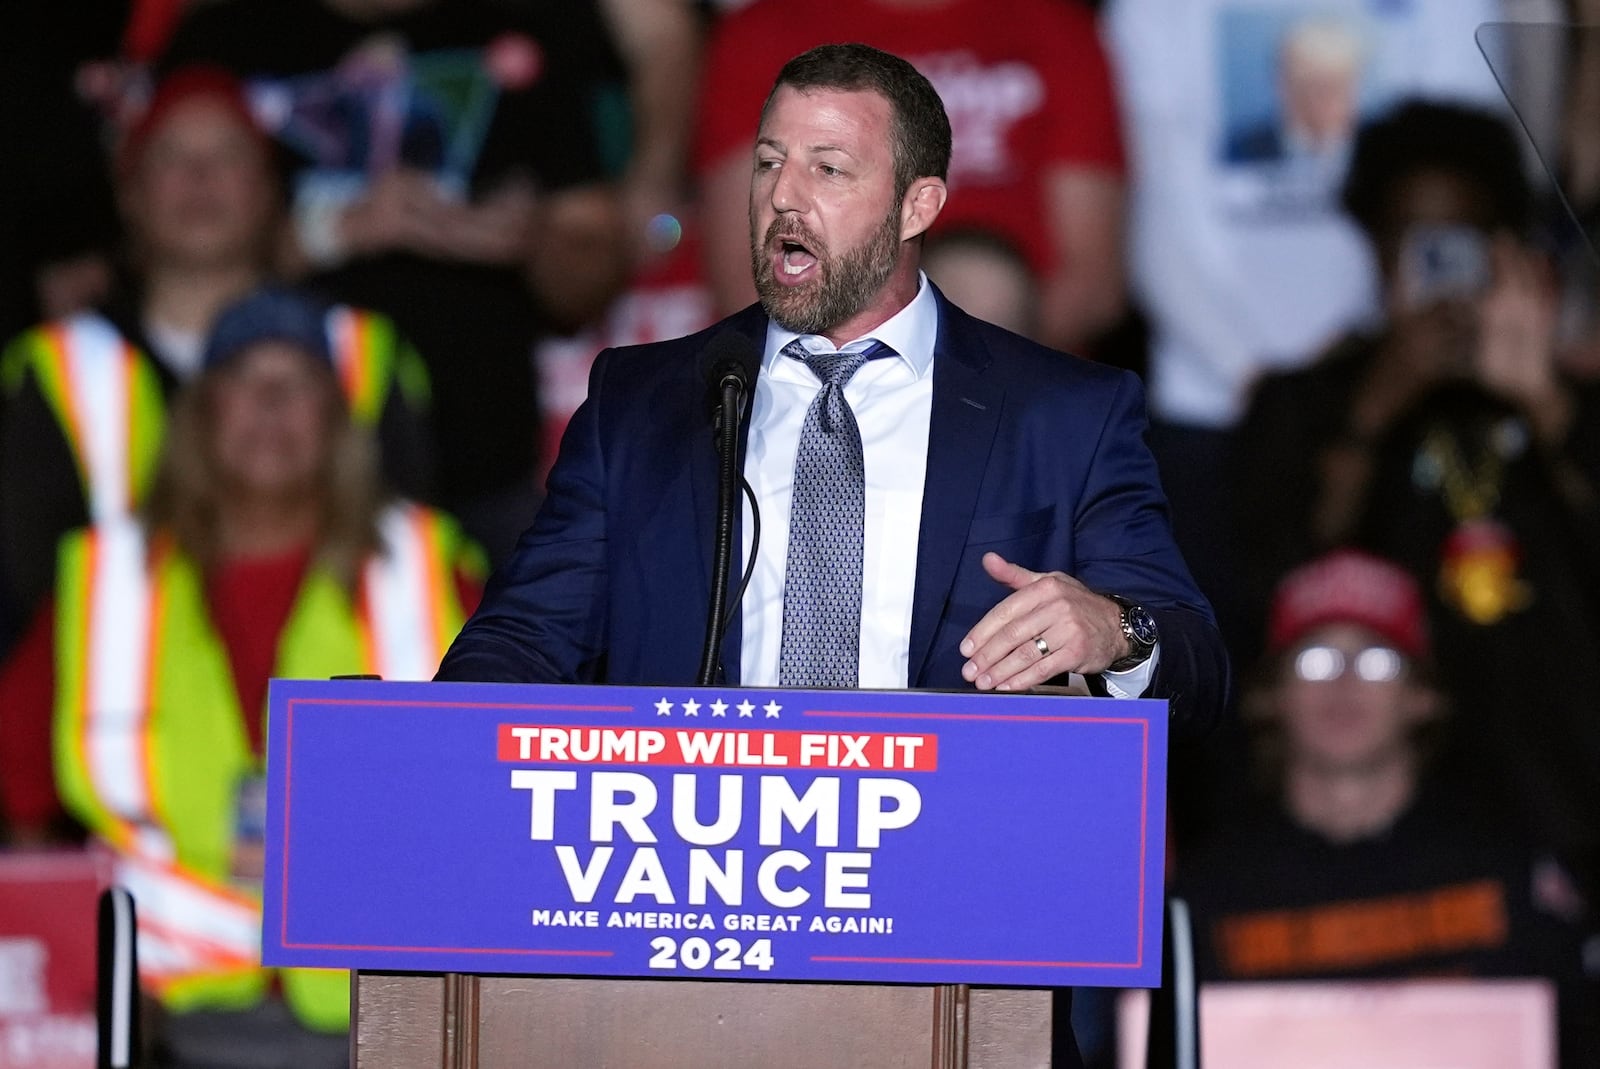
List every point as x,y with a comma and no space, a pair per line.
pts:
1037,147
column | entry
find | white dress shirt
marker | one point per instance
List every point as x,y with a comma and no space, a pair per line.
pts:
892,398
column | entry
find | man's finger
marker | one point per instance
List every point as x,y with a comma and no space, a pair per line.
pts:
1016,604
1011,648
1001,570
1022,669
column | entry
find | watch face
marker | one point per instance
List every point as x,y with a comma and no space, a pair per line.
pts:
1143,626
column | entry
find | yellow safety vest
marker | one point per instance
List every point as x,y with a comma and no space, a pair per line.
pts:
150,746
107,397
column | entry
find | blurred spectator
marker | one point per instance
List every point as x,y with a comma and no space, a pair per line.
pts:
664,297
84,396
1240,117
449,170
1037,155
1450,440
1362,862
986,275
1430,188
660,42
267,549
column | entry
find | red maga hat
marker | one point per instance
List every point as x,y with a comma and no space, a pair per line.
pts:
1350,587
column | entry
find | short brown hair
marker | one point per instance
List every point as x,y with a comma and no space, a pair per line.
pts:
919,127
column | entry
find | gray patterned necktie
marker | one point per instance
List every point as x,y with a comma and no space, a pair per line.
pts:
821,639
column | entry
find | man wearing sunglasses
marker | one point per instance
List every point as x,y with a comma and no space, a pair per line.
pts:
1365,860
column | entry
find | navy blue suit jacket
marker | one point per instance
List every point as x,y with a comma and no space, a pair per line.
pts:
1031,453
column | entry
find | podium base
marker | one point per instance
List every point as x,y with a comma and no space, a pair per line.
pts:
454,1021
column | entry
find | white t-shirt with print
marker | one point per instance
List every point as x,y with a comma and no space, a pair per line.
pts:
1240,254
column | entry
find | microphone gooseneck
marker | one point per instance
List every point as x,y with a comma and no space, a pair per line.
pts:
729,364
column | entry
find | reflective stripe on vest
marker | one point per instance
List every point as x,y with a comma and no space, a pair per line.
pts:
361,343
88,371
406,632
187,925
122,613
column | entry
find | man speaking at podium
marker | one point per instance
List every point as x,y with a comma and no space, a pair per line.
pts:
942,504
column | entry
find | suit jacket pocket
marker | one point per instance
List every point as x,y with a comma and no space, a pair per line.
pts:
985,530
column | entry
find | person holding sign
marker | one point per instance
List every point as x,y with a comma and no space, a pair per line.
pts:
941,503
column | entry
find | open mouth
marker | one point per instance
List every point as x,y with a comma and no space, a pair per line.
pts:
793,261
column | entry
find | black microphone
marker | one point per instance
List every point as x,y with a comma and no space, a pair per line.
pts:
729,365
730,361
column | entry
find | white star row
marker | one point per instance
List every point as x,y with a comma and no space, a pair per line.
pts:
719,708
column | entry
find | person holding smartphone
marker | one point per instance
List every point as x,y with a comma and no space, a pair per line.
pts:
1448,438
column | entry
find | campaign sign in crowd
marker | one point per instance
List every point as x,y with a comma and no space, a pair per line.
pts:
715,832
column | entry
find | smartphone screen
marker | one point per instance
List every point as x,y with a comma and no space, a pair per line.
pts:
1442,263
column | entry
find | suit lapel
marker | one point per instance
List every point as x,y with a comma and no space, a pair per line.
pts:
966,411
704,466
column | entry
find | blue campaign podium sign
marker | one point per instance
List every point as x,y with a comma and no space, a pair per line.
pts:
889,837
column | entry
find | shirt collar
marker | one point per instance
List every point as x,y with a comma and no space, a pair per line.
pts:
910,332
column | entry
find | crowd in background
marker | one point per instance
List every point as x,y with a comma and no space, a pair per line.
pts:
299,294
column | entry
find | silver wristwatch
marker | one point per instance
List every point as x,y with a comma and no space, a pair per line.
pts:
1139,628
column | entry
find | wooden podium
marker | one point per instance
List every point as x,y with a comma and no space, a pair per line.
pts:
680,877
456,1021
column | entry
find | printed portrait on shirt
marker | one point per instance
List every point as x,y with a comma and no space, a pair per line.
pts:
1295,85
